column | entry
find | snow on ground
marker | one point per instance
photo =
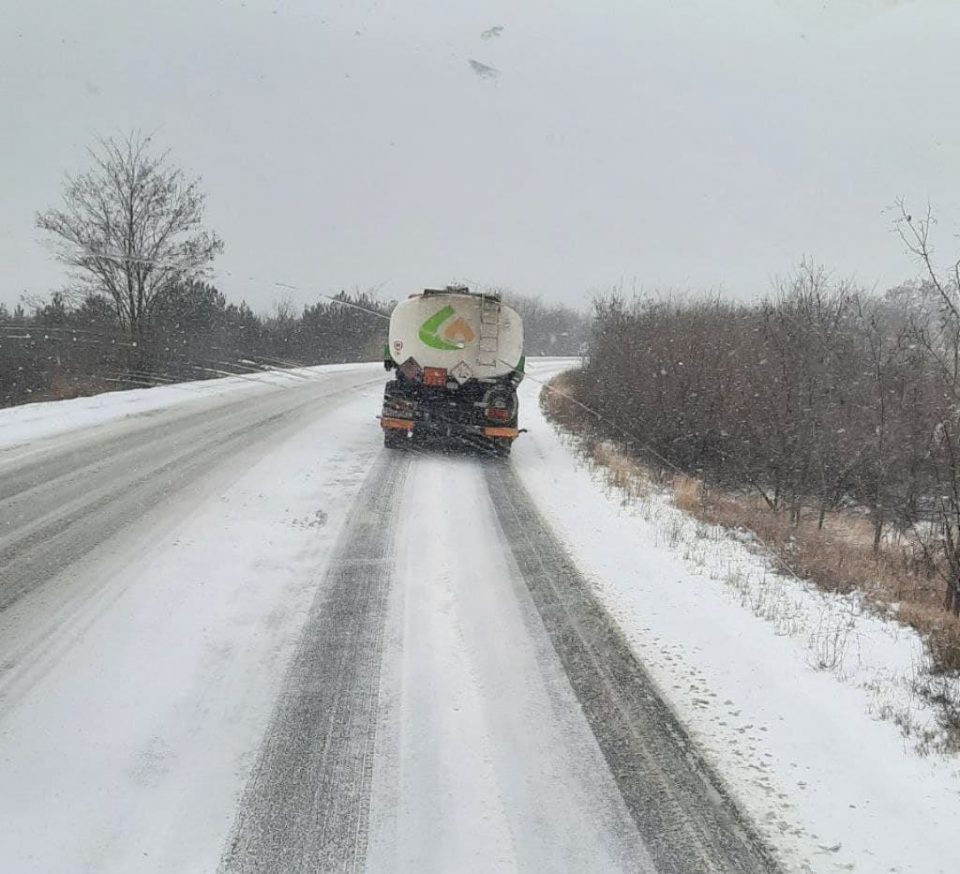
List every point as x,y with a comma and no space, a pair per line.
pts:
783,686
490,763
33,422
131,746
184,646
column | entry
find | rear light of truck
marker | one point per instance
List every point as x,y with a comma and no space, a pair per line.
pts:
498,414
436,376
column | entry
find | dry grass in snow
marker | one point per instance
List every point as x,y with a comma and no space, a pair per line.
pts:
837,560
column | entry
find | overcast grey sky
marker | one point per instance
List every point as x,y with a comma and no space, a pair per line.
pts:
688,144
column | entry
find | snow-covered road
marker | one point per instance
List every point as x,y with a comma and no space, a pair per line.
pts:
237,634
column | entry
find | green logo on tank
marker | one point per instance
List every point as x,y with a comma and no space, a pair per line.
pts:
455,335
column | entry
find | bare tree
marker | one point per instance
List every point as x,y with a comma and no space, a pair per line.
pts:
941,338
915,233
131,228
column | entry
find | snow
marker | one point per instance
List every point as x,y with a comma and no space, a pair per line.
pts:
35,422
129,722
489,763
782,685
129,725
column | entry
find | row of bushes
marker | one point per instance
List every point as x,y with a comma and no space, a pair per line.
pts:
59,349
815,399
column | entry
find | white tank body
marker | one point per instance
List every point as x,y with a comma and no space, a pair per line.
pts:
468,335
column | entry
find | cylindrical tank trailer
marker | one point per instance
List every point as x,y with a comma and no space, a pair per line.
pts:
458,358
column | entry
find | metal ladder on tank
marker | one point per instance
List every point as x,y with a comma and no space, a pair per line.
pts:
489,337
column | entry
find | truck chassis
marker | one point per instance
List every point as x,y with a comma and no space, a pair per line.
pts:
479,413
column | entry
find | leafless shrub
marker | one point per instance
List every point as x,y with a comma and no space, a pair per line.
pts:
838,549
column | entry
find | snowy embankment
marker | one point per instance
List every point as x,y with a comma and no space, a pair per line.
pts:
34,422
797,696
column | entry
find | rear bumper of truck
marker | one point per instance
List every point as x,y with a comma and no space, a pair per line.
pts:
449,429
391,423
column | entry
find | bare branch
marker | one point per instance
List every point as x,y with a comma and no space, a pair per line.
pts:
131,228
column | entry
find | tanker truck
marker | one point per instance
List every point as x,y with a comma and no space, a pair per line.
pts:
458,359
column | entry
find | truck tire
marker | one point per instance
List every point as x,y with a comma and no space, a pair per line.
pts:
394,389
395,439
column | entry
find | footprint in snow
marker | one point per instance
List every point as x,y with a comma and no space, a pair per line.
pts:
316,520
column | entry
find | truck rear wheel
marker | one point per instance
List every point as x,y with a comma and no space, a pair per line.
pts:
393,438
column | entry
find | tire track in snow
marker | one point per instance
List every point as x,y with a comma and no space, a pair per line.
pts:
485,762
684,814
60,506
306,804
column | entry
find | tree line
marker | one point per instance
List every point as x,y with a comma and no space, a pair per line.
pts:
140,309
59,349
818,397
